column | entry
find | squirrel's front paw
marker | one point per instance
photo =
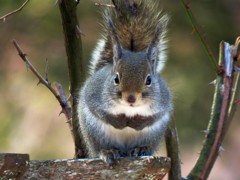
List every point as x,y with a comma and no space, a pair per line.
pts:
110,156
140,151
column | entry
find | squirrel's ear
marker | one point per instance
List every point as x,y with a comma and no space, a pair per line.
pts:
152,54
156,43
117,49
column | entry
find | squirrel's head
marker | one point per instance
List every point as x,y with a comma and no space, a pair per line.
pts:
134,73
133,76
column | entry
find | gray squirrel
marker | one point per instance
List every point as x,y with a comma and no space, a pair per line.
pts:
125,105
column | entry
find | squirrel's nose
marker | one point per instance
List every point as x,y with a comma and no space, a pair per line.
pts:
131,99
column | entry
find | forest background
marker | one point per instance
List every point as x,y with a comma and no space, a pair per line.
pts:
29,114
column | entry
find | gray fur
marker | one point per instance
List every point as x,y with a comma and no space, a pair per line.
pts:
135,31
119,109
98,95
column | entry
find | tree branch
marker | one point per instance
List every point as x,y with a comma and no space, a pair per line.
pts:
3,18
77,73
59,94
221,111
194,24
172,145
236,81
66,109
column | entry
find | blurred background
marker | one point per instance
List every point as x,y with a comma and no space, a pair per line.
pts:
29,114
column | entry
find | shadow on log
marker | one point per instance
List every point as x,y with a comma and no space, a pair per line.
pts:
18,166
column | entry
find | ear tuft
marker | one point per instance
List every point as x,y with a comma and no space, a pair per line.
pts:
152,56
156,48
117,49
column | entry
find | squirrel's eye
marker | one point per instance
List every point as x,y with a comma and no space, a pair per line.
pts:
148,81
116,79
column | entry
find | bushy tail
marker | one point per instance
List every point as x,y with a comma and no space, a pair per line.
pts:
135,23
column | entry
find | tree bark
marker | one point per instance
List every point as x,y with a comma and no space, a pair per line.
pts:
77,73
127,168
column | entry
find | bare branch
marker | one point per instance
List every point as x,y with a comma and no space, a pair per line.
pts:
66,109
58,94
196,29
172,146
77,72
3,18
223,110
46,70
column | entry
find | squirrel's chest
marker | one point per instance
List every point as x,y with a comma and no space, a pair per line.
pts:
129,137
122,116
136,122
127,131
126,137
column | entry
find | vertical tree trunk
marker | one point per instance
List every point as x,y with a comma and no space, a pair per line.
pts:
76,70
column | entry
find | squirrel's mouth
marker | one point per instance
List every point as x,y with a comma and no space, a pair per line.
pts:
134,104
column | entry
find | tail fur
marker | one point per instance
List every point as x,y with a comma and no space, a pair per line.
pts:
136,23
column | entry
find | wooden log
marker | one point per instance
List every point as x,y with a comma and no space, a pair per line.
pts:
13,166
147,167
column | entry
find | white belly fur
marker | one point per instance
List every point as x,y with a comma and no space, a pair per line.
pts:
143,110
126,136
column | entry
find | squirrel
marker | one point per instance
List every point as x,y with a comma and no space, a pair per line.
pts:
125,105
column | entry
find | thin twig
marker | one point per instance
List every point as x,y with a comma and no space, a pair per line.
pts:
46,70
59,95
3,18
235,49
200,36
67,109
